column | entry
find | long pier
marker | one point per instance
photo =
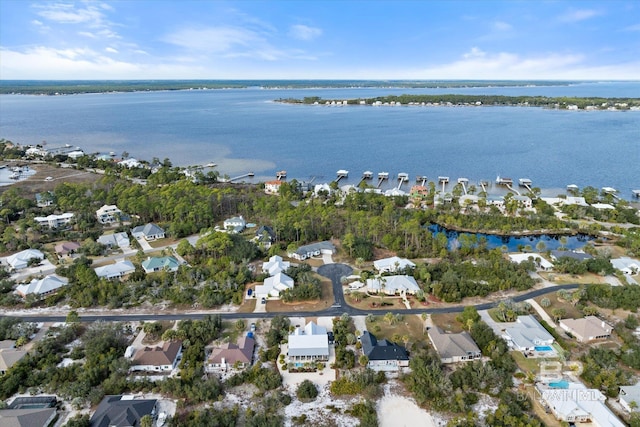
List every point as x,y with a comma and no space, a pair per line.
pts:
463,182
444,180
422,179
366,176
246,175
341,174
402,178
382,176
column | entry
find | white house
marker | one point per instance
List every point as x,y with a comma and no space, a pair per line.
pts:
392,264
626,265
393,285
42,287
309,344
235,224
115,271
274,285
527,334
162,358
540,261
587,329
272,187
275,265
54,221
120,240
313,249
108,214
148,232
21,259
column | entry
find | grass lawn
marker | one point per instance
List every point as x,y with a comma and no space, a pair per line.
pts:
526,364
164,242
571,311
562,279
247,306
447,322
374,302
411,326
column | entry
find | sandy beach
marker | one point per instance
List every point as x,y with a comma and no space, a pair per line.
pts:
398,411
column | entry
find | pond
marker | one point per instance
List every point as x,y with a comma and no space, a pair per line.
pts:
515,243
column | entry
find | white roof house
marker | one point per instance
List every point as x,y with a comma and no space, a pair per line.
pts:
54,221
626,265
42,287
603,206
392,264
148,232
275,265
309,344
108,214
576,403
587,329
526,333
21,259
274,285
392,285
235,224
120,240
540,261
628,394
118,269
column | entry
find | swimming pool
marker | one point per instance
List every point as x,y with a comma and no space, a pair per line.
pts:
544,348
560,384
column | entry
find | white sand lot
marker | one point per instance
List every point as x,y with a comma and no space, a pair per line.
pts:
398,411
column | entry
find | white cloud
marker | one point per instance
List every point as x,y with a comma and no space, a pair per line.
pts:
111,50
65,13
474,53
304,32
579,15
502,26
215,39
633,28
87,34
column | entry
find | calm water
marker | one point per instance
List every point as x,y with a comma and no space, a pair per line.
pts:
243,130
514,243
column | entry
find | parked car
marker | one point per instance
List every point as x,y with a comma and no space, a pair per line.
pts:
253,327
263,300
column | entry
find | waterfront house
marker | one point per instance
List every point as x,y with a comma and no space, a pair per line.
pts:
272,187
66,248
116,270
310,344
393,285
576,403
229,355
527,334
392,264
21,259
538,259
274,285
587,329
453,348
165,263
383,355
275,265
313,249
234,225
120,240
629,397
54,221
579,256
42,287
148,232
44,200
108,214
162,358
523,201
626,265
122,411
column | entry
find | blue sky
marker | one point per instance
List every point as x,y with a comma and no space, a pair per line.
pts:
333,39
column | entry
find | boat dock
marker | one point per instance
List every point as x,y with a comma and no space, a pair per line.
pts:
246,175
463,182
636,193
382,176
366,176
610,190
484,184
281,175
341,174
526,183
572,188
402,178
444,180
507,182
422,179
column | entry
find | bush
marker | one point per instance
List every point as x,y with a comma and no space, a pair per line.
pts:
307,390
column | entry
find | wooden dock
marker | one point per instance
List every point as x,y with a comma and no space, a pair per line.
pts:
281,175
382,176
341,174
246,175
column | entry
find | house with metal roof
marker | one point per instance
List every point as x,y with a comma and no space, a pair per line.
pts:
234,225
453,348
163,358
393,285
122,411
119,240
313,249
274,285
9,357
526,334
66,248
42,287
587,329
231,355
116,270
308,344
540,261
21,259
383,355
148,232
629,397
165,263
275,265
580,256
392,264
626,265
54,221
108,214
27,417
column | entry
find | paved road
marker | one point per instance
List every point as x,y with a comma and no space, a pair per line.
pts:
333,271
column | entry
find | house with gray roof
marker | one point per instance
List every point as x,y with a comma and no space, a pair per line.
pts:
309,344
629,397
393,285
275,265
21,259
626,265
587,329
313,249
234,225
383,355
453,348
122,411
42,287
34,417
116,270
580,256
9,357
148,232
165,263
526,334
115,240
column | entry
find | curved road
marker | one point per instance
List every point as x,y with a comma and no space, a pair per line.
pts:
332,271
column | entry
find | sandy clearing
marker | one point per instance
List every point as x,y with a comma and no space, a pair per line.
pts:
398,411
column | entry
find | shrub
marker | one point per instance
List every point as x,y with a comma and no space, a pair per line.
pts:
307,390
